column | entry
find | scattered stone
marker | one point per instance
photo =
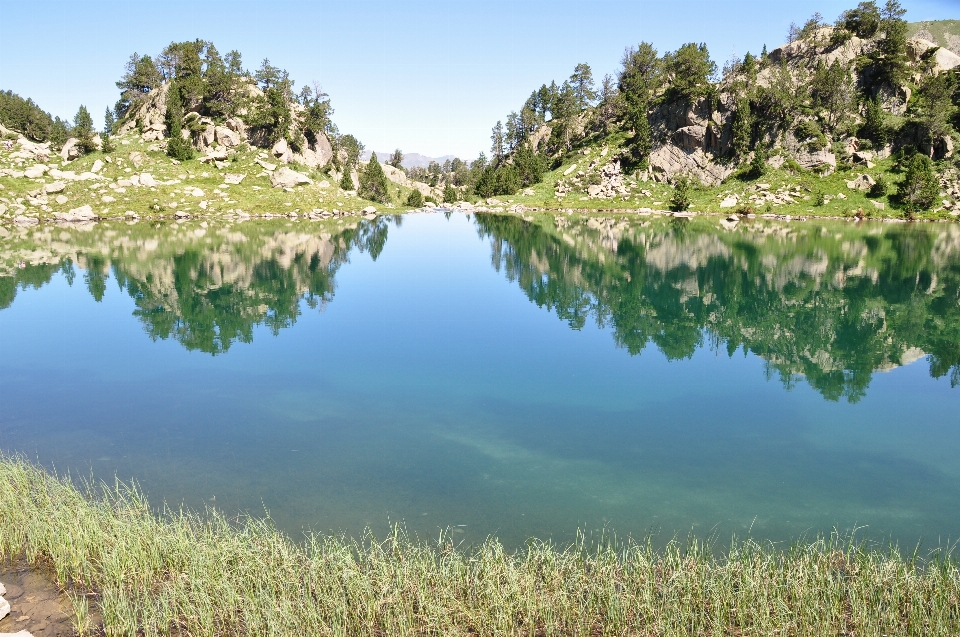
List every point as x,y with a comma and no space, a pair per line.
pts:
55,187
569,171
214,155
146,179
267,165
108,199
229,178
22,220
369,210
97,166
62,199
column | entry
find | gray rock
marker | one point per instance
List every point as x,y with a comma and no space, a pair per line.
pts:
70,150
862,183
817,160
55,187
214,155
286,178
729,202
83,213
4,607
231,178
146,179
138,159
35,171
97,166
227,137
21,220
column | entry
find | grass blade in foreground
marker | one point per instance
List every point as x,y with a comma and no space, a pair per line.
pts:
197,574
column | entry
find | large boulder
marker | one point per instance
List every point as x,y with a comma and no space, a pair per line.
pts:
820,160
70,149
83,213
227,137
286,178
862,183
690,138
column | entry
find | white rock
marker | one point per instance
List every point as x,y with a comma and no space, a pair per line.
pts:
280,148
35,171
214,155
138,159
570,170
146,179
3,589
266,165
108,199
97,166
83,213
62,199
230,178
196,192
369,210
70,150
4,607
55,187
729,202
287,178
863,182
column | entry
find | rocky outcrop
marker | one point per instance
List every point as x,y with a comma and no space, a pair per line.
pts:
669,161
397,176
209,136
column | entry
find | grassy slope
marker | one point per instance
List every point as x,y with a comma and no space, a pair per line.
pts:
254,196
940,30
201,575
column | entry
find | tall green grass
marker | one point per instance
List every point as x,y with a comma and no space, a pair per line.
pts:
199,574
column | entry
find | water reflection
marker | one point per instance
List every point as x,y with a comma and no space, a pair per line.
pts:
831,303
206,287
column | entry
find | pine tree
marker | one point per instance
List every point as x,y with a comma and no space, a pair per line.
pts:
396,159
108,121
177,147
498,142
742,128
83,130
920,187
639,79
582,83
346,181
373,183
874,127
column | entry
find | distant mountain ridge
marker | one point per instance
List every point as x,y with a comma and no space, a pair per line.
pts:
410,160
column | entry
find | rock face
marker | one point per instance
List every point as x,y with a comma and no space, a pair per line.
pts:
70,150
822,160
286,178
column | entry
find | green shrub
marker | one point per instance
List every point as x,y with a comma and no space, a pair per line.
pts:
758,165
415,200
819,199
680,200
920,188
879,189
450,194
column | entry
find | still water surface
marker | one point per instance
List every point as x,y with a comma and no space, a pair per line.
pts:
498,375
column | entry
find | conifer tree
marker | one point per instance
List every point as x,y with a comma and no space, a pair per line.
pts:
638,81
373,183
346,181
83,130
920,187
415,199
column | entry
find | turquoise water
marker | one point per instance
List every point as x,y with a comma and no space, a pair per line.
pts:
496,375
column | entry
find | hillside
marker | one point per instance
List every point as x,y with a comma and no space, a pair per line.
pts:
853,119
945,33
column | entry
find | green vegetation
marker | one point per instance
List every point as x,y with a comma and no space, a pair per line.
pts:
25,116
373,183
181,572
415,200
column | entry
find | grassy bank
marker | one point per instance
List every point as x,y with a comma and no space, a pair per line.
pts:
192,574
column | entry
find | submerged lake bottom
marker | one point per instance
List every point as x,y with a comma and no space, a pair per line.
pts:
498,375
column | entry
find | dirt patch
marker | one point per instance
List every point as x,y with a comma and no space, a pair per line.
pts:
36,605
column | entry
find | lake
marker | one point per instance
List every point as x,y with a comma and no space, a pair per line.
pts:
497,375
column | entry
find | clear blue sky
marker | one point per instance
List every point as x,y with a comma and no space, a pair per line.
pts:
422,75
